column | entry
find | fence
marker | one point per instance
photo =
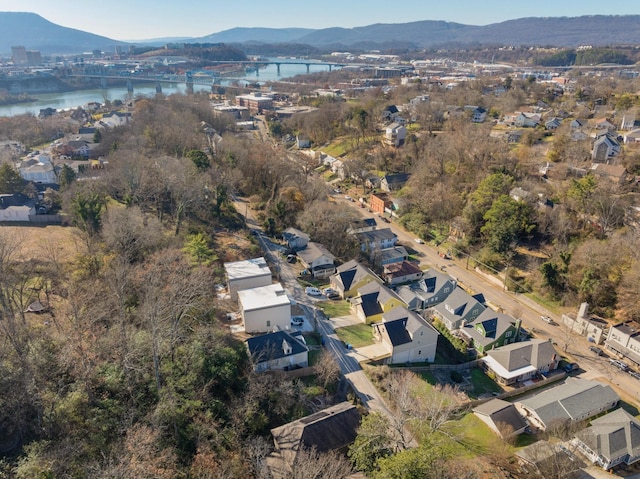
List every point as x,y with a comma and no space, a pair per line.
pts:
38,220
442,367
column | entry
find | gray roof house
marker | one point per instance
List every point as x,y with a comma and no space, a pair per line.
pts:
317,259
331,429
521,361
457,308
409,337
393,182
278,350
502,417
491,330
373,300
371,241
574,400
295,238
611,440
397,254
432,289
361,225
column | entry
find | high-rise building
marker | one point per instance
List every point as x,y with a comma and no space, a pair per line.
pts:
19,56
34,58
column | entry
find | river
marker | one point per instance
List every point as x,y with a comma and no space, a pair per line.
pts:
74,99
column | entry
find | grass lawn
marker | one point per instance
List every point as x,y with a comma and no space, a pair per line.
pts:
428,377
336,149
312,339
475,437
357,335
314,354
483,383
334,309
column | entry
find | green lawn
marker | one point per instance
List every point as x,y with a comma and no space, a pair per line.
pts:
333,309
314,354
483,383
357,335
475,437
312,339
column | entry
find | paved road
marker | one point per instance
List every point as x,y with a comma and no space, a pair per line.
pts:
349,365
518,306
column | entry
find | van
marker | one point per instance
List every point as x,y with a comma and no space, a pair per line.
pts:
313,291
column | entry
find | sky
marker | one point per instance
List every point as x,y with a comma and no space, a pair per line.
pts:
147,19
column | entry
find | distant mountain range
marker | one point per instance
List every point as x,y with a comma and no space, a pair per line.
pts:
36,33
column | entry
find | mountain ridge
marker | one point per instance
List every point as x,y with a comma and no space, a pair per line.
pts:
36,33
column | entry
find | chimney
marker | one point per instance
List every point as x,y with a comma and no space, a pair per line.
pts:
583,312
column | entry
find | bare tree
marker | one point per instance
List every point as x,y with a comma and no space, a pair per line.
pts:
327,368
311,464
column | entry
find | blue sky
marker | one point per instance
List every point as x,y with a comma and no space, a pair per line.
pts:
144,19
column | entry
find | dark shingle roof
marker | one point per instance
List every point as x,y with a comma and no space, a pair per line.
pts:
269,346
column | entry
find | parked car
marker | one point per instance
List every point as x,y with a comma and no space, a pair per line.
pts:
348,198
291,258
333,295
547,319
571,367
634,374
385,219
328,291
619,364
419,240
297,321
597,350
313,291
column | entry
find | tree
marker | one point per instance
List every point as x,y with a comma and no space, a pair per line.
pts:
506,222
327,369
197,247
311,464
427,461
87,208
97,136
489,189
66,177
10,180
199,158
372,443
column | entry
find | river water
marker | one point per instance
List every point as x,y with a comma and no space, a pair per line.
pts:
78,98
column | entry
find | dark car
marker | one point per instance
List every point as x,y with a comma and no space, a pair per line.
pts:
571,367
597,350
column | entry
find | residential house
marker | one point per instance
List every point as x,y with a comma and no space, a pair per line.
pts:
603,124
351,276
317,260
394,135
339,169
390,113
614,173
76,148
302,142
279,350
632,137
266,308
393,182
611,440
552,123
410,337
478,114
502,417
362,225
605,147
624,340
572,401
432,289
585,324
491,330
578,135
527,120
380,203
114,119
400,273
38,169
458,308
387,256
515,136
373,241
629,122
372,300
519,362
246,274
545,457
295,238
16,207
576,124
330,429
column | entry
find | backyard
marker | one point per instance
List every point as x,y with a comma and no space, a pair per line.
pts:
334,309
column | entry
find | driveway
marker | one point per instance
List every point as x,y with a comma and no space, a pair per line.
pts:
371,352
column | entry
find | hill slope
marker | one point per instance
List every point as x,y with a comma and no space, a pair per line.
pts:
35,33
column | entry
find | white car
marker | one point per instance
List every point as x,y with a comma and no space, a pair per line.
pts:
348,198
547,319
419,240
297,321
313,291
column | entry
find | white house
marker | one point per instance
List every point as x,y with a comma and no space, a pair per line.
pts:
38,169
521,361
266,308
410,338
115,118
16,207
394,135
246,274
280,350
524,119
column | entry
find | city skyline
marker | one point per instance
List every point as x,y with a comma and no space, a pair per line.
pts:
137,20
